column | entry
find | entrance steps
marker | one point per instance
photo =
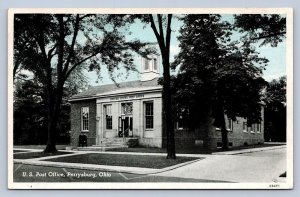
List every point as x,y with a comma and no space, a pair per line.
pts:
109,144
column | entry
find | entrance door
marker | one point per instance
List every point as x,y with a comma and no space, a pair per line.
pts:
126,126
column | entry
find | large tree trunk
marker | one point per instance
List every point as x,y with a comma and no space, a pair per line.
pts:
169,126
55,95
220,118
52,124
223,130
207,126
51,140
164,45
53,115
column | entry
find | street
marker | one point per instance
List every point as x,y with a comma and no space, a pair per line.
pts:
262,166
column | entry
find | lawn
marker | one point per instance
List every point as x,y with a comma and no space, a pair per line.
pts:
144,161
31,155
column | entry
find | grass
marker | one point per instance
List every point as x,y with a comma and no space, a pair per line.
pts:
32,155
189,150
144,161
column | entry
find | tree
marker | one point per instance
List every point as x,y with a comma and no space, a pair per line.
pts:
216,76
164,39
30,124
59,44
161,26
275,110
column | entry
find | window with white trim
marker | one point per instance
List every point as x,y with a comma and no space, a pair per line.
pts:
155,64
146,64
148,115
229,124
108,116
258,127
252,128
85,119
245,126
179,123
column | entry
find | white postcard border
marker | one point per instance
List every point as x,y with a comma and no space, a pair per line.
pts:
160,185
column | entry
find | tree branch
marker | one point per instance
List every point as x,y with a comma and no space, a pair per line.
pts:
269,35
71,52
77,64
157,35
168,34
50,52
154,27
161,30
87,15
61,40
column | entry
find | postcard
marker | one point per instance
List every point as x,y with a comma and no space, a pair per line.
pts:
164,98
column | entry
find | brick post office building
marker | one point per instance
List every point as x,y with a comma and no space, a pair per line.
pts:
133,111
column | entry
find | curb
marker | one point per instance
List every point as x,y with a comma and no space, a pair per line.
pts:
251,150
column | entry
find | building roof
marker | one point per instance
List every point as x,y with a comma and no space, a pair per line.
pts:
93,91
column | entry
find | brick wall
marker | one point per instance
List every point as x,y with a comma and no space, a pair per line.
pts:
238,136
184,138
76,121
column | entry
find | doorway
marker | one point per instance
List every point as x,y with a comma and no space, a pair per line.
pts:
126,126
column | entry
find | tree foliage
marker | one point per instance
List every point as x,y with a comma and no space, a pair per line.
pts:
29,113
275,110
268,28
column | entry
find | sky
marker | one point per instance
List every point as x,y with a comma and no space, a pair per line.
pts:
276,55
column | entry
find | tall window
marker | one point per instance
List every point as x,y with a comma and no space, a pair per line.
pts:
146,64
108,116
258,127
155,64
180,123
149,115
245,126
84,118
230,125
252,128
